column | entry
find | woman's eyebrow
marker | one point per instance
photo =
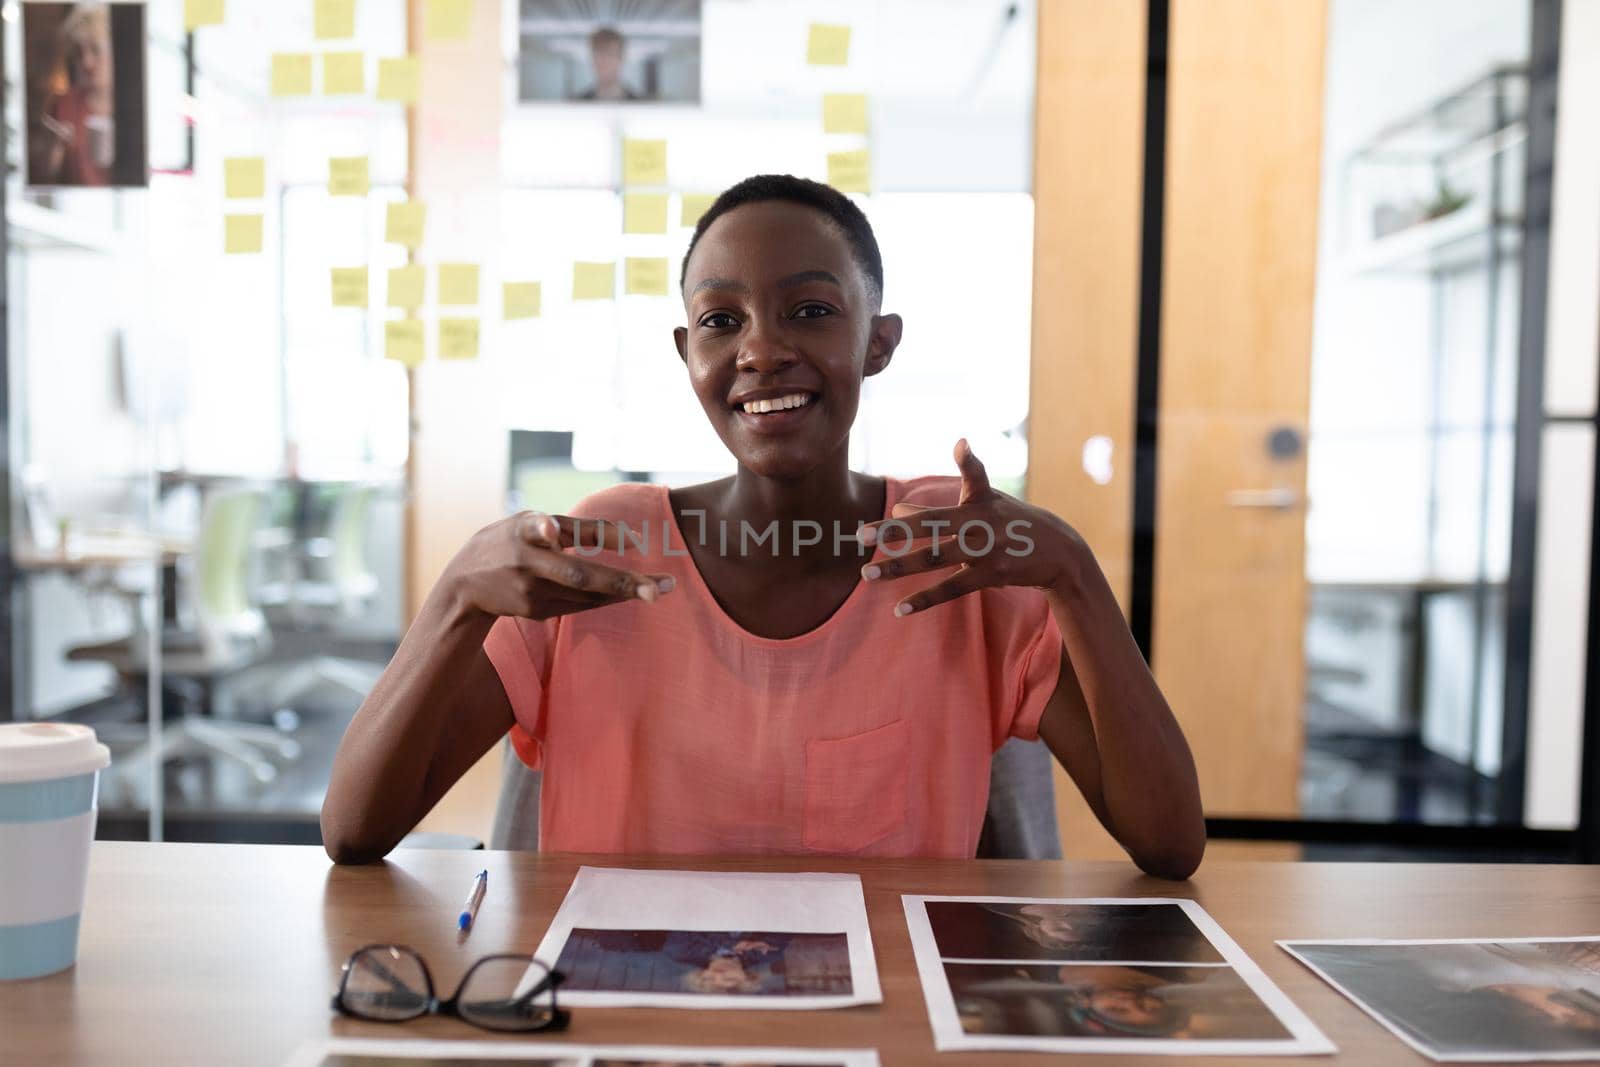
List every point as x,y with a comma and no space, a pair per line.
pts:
808,276
721,283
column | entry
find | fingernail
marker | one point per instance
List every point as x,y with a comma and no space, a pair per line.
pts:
645,591
665,585
871,571
902,609
869,535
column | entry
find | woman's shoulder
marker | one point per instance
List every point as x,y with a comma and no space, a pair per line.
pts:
630,502
929,491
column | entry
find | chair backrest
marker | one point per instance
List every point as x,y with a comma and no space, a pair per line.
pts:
223,607
1020,823
352,574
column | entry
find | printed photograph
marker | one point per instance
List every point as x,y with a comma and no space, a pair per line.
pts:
707,962
344,1059
703,1063
609,51
1511,999
84,70
1100,1001
1130,933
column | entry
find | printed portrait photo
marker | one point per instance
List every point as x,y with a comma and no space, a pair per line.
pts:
1130,933
1101,1001
1504,999
602,1062
707,962
609,51
345,1059
84,70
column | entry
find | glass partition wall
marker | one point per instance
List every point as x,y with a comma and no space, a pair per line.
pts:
206,455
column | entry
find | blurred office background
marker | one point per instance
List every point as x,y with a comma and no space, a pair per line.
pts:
1290,307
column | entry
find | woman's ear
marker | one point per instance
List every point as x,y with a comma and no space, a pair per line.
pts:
680,337
882,341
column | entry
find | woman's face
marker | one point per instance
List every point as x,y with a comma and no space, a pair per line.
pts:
780,315
727,974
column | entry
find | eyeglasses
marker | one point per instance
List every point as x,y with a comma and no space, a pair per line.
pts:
391,984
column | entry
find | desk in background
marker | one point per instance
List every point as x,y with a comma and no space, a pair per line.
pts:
229,953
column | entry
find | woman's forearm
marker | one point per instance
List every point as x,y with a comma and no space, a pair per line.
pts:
392,748
1149,786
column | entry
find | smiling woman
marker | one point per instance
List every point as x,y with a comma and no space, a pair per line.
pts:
782,688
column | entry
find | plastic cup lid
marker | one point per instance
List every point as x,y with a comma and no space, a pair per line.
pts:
32,751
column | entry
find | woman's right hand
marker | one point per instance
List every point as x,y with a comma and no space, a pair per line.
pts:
520,566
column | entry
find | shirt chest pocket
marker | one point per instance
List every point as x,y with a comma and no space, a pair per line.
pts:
856,788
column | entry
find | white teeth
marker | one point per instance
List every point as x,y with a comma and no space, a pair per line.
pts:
782,403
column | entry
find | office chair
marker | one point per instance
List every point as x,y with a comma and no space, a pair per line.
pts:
1020,823
342,591
229,635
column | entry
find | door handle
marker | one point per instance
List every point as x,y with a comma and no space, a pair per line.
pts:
1279,499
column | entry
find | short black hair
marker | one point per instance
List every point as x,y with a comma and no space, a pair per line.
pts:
786,187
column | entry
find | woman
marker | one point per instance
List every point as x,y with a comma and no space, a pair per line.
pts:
78,138
764,664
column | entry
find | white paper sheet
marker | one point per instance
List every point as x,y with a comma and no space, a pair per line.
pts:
693,939
335,1051
1430,997
1104,979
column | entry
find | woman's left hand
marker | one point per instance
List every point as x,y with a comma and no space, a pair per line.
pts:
994,540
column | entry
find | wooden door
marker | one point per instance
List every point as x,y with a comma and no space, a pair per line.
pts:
1242,181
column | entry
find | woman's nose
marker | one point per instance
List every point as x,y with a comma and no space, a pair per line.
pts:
764,353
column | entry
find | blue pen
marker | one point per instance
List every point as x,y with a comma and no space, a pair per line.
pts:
469,912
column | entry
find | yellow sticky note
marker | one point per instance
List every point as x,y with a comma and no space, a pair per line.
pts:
349,287
521,300
244,177
594,281
458,283
398,79
291,73
404,224
458,338
448,20
334,19
828,46
695,205
644,162
241,234
344,73
402,340
850,172
844,113
197,13
644,213
347,176
646,276
405,286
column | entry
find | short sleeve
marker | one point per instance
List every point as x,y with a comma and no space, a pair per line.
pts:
520,652
1024,646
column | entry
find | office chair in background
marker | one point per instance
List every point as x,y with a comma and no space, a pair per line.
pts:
229,634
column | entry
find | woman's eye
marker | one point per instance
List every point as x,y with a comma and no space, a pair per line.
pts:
718,320
812,311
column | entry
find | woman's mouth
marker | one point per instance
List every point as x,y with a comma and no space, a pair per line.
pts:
775,414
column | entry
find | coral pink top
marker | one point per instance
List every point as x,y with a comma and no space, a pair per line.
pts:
669,728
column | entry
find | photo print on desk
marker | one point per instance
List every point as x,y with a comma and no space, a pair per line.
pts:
1146,976
693,939
732,963
1516,999
380,1052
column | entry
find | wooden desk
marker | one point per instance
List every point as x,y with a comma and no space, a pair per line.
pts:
227,954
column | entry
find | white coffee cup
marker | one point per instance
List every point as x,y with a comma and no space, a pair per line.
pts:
49,779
